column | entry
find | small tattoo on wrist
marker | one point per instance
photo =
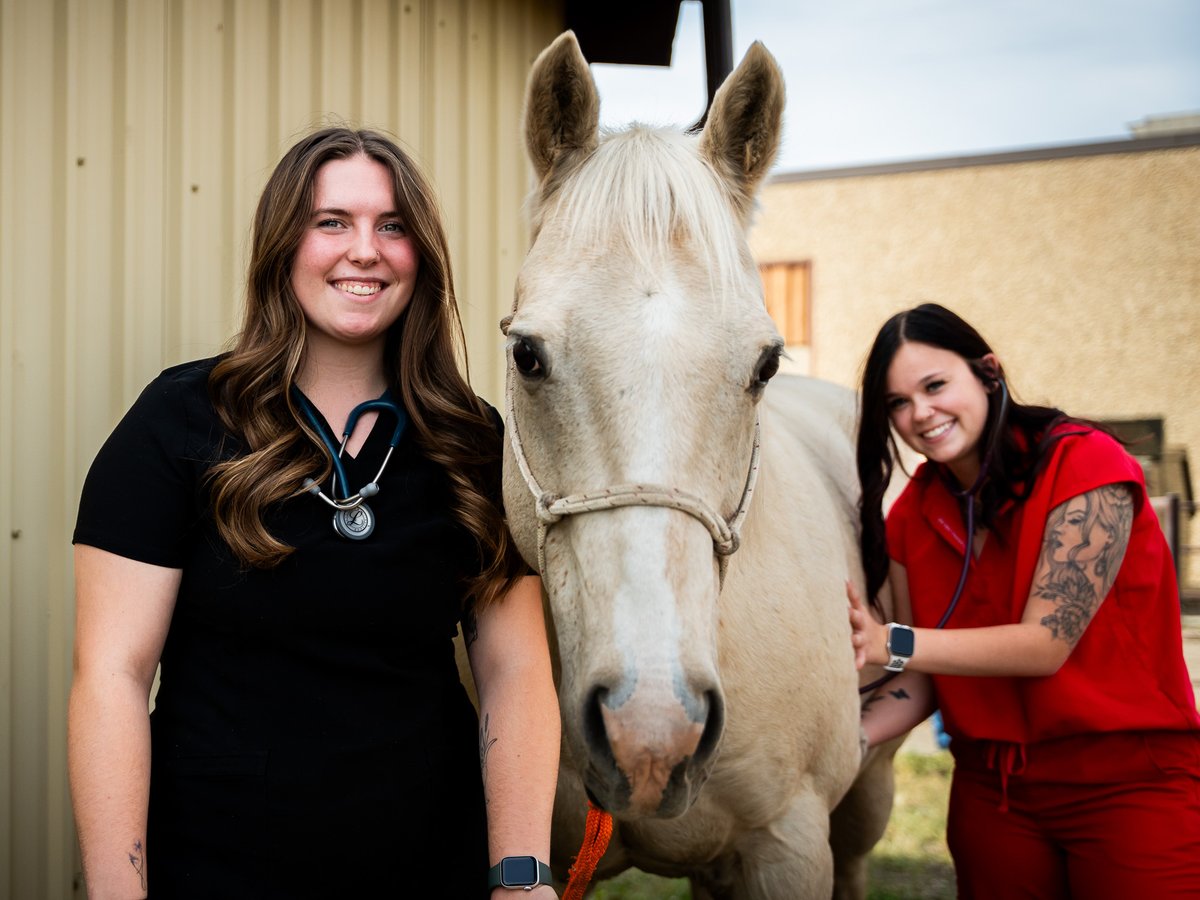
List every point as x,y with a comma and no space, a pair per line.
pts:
485,744
137,859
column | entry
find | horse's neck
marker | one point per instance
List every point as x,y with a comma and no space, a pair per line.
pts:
806,426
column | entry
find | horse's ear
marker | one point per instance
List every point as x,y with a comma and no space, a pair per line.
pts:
562,107
743,130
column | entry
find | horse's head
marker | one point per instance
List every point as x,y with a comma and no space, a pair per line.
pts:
639,349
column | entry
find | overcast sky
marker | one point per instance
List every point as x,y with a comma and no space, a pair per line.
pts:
888,80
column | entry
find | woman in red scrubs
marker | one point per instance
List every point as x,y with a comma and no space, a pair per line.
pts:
1057,664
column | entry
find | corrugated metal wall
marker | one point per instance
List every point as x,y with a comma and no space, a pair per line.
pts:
135,136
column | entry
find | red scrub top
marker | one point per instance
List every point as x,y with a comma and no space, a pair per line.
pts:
1126,673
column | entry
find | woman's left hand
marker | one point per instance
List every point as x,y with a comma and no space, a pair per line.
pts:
867,635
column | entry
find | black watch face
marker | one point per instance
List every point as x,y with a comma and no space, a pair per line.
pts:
518,871
900,642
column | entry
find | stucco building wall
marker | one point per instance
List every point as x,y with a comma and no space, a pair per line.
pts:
1081,267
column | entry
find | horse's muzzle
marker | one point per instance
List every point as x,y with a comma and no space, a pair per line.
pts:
649,756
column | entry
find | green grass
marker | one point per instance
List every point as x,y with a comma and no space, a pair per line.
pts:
911,862
634,884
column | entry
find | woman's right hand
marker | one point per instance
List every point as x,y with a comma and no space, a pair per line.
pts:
867,635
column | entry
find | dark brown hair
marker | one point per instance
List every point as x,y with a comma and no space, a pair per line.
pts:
251,386
1014,460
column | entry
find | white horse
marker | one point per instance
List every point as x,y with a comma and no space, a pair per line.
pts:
708,696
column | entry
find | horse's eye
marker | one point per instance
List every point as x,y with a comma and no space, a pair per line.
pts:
767,369
526,359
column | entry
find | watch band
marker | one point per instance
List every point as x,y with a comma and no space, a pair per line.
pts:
519,872
900,645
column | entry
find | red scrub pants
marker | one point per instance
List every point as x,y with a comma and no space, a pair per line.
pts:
1082,818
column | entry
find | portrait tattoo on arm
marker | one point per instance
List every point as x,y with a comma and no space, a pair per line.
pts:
1082,550
137,859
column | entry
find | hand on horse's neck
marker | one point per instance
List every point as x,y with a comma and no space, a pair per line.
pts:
336,383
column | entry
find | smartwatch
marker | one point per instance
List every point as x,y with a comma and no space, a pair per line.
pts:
524,872
900,645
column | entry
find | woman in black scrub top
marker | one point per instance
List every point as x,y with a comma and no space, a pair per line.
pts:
310,737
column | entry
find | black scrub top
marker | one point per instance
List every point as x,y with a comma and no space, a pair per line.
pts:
310,736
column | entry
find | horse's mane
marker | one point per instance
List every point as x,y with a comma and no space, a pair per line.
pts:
648,188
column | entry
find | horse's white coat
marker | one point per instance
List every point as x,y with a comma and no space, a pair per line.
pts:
643,305
646,629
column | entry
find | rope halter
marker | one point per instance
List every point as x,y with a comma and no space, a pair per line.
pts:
551,508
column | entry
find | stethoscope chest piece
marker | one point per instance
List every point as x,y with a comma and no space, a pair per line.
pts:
355,524
352,518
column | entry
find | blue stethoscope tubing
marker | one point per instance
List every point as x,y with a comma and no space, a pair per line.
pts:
969,496
341,481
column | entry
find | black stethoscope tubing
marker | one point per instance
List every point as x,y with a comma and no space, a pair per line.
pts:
352,517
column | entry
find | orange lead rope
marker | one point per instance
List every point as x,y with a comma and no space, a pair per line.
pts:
596,833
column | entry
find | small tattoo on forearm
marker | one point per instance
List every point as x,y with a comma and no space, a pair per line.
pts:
485,744
897,694
137,859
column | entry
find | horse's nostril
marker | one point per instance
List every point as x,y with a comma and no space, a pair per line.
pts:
594,731
714,726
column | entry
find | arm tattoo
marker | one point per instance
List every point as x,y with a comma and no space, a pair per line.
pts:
485,745
899,694
1082,550
137,859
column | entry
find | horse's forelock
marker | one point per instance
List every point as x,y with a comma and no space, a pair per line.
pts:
647,190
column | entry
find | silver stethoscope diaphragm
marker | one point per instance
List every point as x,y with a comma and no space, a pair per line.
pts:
355,524
352,518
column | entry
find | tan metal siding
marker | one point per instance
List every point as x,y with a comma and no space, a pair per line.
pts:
135,136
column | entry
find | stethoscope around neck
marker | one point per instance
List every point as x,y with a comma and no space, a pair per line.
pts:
969,496
352,518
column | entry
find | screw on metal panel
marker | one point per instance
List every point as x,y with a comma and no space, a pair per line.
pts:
195,188
79,161
16,533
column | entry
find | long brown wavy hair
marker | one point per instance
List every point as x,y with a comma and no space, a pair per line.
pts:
251,386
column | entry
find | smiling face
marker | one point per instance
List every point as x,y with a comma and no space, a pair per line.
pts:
938,406
356,265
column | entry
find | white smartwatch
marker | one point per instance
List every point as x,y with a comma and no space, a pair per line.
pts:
900,644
